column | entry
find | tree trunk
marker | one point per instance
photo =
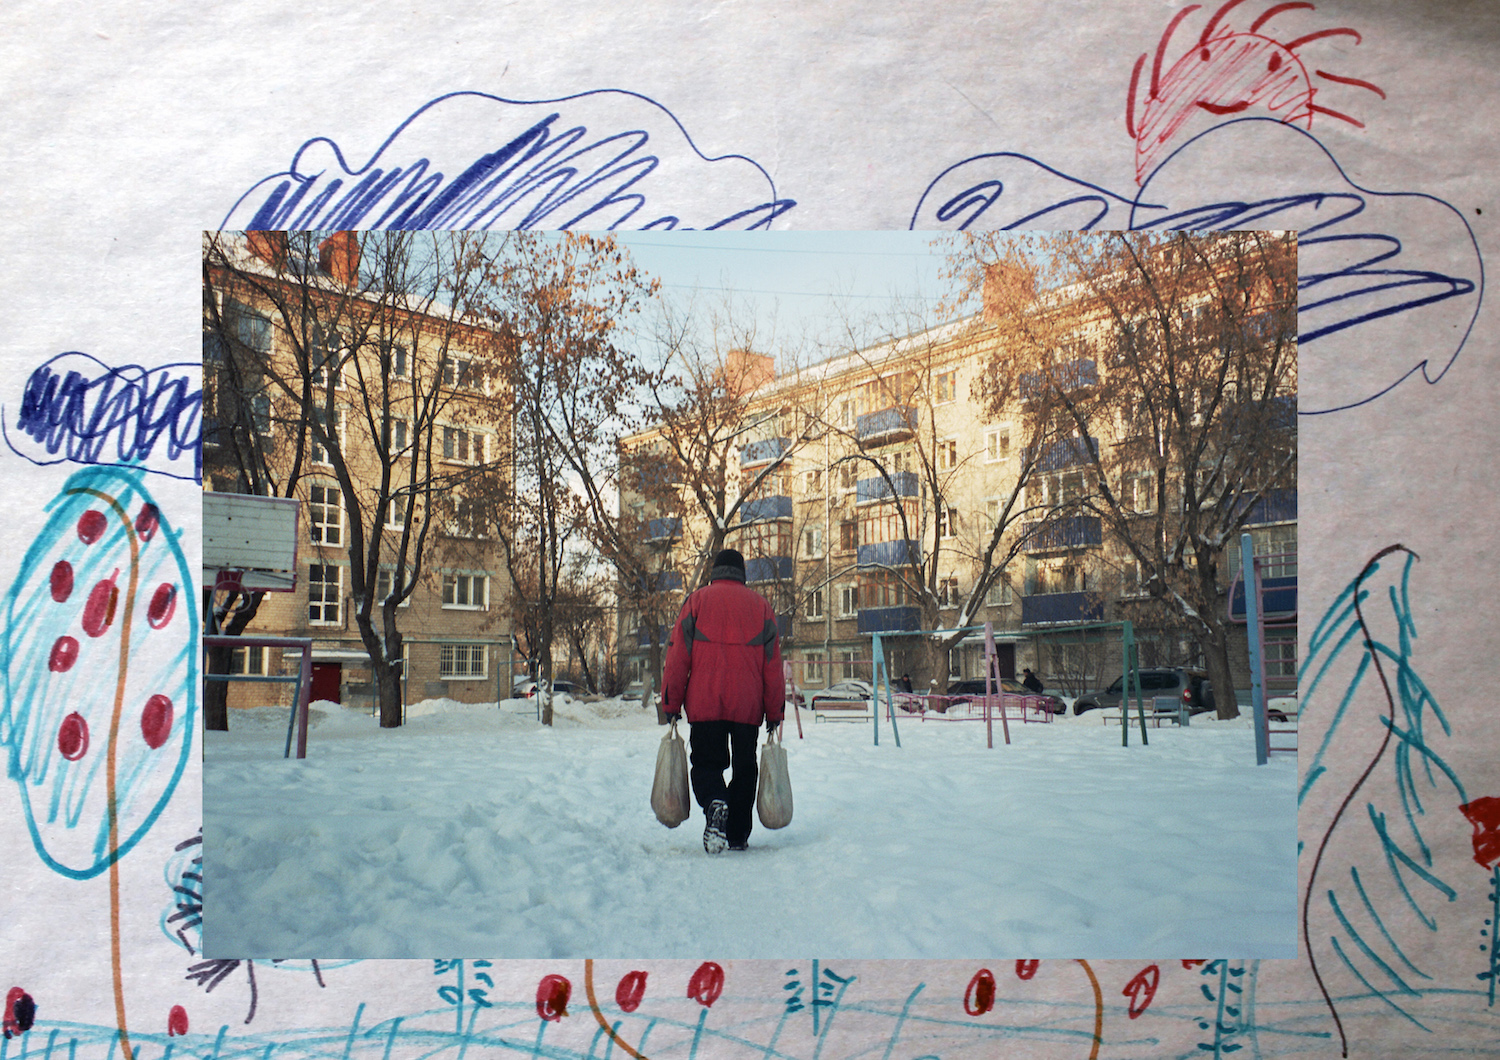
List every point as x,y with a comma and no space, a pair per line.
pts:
1216,652
220,660
386,674
648,679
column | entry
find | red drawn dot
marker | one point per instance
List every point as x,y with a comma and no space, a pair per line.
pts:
91,526
630,991
552,995
1484,814
979,998
156,721
163,604
177,1022
73,737
1142,989
64,655
147,522
1026,969
62,580
706,984
20,1012
99,612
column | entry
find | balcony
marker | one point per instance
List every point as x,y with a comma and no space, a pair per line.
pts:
663,529
894,424
765,508
768,569
889,553
1067,452
1054,608
763,452
890,619
1078,531
1070,375
643,636
1278,598
1277,506
868,490
666,581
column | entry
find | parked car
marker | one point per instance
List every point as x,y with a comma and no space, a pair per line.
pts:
963,691
528,689
1185,686
843,694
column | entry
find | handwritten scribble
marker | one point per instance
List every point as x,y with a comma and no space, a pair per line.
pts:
77,409
606,159
184,877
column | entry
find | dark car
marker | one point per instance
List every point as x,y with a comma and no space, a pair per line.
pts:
1185,686
962,691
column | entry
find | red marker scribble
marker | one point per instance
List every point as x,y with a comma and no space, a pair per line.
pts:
177,1022
20,1012
1199,963
1026,969
1142,989
1484,814
63,655
156,721
62,580
91,526
147,522
99,612
73,737
163,604
552,995
1227,71
706,984
631,989
979,998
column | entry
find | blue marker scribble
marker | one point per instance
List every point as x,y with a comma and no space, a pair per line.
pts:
77,409
1366,258
100,671
605,160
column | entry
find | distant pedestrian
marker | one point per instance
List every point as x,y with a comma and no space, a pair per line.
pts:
1032,682
905,683
723,670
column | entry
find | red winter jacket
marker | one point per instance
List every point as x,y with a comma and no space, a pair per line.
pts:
724,657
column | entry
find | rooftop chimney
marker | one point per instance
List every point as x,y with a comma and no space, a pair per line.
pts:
338,256
745,371
269,247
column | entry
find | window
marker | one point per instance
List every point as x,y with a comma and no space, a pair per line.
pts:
1130,577
1138,492
213,348
947,454
847,659
848,600
943,387
458,372
847,476
252,329
468,518
812,541
466,591
999,594
1278,546
326,515
813,668
324,351
848,413
812,481
996,444
955,663
947,521
461,446
814,604
319,451
399,365
260,414
395,512
1281,660
462,660
325,585
948,592
250,661
848,536
385,585
393,436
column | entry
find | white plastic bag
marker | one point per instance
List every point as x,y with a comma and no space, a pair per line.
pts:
669,791
773,796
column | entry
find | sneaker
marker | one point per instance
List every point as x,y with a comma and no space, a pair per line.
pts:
713,832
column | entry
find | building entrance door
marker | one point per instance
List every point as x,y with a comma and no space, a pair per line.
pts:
326,679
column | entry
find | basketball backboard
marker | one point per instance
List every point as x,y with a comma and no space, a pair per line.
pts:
256,536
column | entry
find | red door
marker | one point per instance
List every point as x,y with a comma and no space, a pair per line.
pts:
326,678
1005,655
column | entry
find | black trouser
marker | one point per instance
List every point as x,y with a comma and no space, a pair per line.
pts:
713,746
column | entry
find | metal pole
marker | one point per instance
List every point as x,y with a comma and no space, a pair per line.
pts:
304,697
1253,631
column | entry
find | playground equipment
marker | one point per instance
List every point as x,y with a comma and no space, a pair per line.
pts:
1255,623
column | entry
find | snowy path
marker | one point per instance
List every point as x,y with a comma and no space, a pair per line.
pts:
476,832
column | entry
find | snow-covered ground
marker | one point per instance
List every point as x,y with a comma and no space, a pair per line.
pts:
475,831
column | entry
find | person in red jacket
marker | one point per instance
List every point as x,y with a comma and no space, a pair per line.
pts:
723,669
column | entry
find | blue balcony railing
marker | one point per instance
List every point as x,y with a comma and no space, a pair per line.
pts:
1070,375
763,452
876,489
662,529
1278,598
666,581
887,425
768,569
890,619
1276,506
643,636
1079,531
888,553
1053,608
764,508
1066,453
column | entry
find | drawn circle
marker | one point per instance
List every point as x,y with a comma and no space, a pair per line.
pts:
1026,969
163,604
64,655
99,612
62,580
73,737
156,721
1142,989
706,984
979,998
91,526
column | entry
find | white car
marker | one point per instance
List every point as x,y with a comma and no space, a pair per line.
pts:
842,694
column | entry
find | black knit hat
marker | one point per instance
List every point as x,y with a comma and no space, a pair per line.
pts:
728,564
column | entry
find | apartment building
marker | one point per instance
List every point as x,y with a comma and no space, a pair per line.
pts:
873,485
417,423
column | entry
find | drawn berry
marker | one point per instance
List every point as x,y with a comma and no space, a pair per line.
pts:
91,526
1026,969
62,580
1484,814
979,998
99,612
147,522
552,995
1142,989
20,1012
706,984
73,737
64,654
631,989
177,1022
156,721
163,604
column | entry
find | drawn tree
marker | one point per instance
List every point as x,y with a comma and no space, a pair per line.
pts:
1176,352
360,356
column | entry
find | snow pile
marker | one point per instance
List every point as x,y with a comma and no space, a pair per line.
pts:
475,831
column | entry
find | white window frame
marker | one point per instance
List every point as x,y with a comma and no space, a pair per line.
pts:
460,377
999,594
387,572
322,603
318,529
947,454
814,669
261,420
947,521
316,453
814,608
462,445
334,357
994,452
948,593
812,482
466,591
939,386
849,600
249,661
456,662
395,511
847,659
396,435
812,541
